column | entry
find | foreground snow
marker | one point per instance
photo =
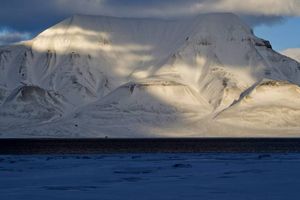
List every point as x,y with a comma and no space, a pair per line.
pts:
151,176
96,76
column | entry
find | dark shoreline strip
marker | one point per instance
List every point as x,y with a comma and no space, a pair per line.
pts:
163,145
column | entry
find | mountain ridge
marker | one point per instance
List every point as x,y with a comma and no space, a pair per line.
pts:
144,77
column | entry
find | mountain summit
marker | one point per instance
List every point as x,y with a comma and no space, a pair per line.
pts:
97,76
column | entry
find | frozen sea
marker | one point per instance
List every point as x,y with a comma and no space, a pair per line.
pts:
151,176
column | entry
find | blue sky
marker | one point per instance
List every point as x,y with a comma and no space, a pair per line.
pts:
271,19
283,35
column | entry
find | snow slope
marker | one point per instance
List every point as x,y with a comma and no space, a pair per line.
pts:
122,77
31,105
293,53
178,176
276,102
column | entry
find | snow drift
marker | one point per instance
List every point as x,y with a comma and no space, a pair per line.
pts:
124,77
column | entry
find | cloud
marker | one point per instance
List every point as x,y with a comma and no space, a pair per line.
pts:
80,6
8,36
35,15
253,20
173,8
254,7
254,12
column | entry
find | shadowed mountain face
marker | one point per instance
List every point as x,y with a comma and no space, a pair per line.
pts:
102,76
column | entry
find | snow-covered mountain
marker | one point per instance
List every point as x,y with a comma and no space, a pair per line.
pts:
293,53
95,76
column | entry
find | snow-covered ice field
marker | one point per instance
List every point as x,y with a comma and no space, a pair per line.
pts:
151,176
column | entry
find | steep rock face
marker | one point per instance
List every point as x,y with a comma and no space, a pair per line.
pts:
141,77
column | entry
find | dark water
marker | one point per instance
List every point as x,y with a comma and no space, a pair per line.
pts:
175,145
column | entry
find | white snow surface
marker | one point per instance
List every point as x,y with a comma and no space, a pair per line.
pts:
96,76
151,176
293,53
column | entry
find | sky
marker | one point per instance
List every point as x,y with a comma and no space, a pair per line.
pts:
275,20
282,35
